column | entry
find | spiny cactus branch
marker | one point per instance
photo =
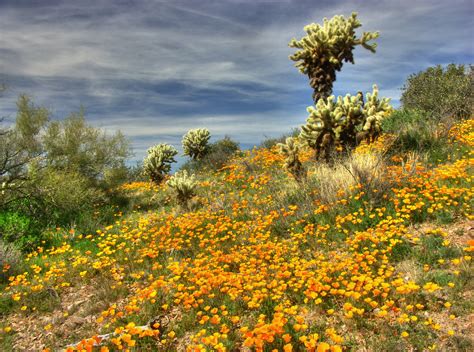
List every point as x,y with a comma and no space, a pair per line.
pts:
325,48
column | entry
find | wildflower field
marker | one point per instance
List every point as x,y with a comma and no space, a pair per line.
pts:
262,263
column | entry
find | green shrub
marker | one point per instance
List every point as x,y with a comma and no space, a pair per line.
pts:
416,132
401,118
74,145
54,199
441,93
114,177
270,142
13,226
220,152
64,195
10,261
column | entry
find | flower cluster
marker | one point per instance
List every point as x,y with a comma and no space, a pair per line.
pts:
245,272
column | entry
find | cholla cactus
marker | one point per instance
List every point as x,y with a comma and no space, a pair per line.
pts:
332,123
158,161
336,123
324,49
195,143
184,185
374,111
291,149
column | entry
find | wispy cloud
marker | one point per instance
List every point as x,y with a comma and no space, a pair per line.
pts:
156,68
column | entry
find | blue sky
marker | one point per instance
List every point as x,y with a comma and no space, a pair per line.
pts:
155,69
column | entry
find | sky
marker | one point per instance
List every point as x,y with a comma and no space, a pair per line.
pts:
155,69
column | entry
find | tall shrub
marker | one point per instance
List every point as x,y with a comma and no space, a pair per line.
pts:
441,92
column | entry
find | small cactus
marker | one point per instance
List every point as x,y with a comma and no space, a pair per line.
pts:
195,143
324,49
184,185
291,149
158,161
374,112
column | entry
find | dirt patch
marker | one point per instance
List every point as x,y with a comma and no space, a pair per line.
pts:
72,318
459,233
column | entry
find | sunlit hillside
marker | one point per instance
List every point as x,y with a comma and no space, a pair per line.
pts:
263,263
351,231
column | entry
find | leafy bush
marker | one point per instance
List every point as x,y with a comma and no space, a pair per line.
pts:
63,196
10,261
20,145
402,118
195,143
54,198
220,152
270,142
13,226
441,92
114,177
417,132
73,145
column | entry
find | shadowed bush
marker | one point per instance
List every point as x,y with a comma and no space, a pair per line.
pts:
416,131
10,261
270,142
220,152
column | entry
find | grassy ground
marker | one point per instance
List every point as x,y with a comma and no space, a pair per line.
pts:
381,262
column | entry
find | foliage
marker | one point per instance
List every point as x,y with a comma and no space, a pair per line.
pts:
291,150
184,186
62,196
114,177
51,171
325,48
13,226
270,142
251,269
220,153
195,143
20,146
441,92
10,261
30,121
158,161
416,132
344,122
74,145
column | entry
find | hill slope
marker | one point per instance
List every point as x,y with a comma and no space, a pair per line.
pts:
380,261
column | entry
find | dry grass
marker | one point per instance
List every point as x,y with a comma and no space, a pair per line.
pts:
365,171
10,260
